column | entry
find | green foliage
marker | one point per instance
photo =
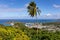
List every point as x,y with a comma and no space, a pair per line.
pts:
23,33
45,38
10,33
42,34
52,23
21,26
32,8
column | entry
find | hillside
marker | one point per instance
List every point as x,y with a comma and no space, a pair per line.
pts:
21,32
10,33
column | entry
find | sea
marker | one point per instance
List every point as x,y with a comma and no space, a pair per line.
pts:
4,21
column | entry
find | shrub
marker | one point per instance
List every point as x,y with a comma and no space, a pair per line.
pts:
10,33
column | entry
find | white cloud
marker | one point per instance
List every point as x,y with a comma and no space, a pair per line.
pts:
56,6
49,14
12,10
6,8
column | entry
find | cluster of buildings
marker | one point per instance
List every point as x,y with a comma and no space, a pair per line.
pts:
40,26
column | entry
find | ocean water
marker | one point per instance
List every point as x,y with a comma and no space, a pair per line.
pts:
4,21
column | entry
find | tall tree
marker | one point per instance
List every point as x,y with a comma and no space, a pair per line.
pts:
33,11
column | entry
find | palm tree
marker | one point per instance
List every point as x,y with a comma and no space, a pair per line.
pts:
33,10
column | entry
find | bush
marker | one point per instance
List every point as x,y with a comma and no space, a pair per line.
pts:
45,38
10,33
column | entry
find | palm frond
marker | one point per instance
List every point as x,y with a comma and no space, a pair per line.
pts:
32,9
38,11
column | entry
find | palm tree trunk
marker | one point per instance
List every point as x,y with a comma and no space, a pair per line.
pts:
37,25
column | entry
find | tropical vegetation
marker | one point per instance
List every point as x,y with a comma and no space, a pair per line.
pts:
24,33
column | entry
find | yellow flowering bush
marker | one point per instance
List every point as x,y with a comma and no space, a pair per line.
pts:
10,33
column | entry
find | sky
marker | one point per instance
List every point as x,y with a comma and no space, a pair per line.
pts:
17,9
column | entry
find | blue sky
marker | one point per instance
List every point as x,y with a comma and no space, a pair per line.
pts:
16,9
